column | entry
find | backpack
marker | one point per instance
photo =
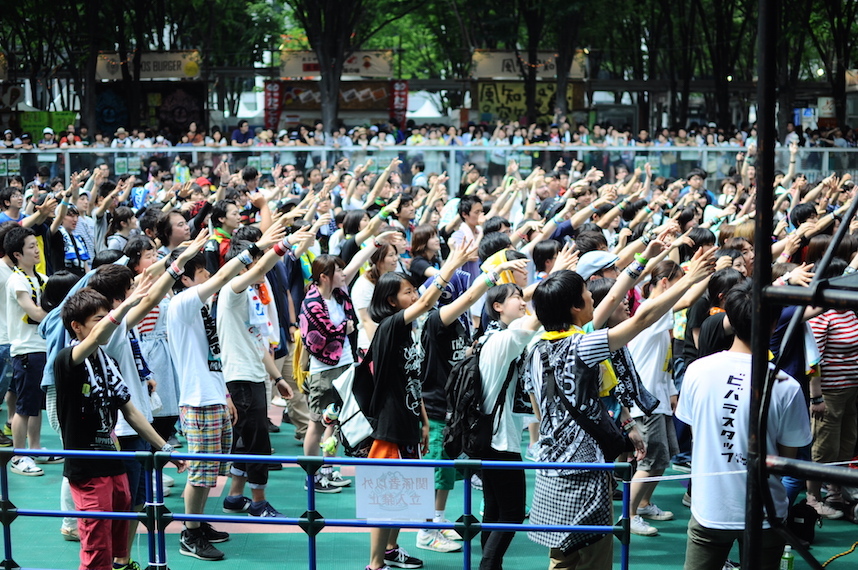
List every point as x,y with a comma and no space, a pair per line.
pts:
470,428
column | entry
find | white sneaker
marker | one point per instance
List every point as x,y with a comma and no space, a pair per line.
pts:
653,513
641,527
449,533
280,401
531,452
337,480
24,465
435,541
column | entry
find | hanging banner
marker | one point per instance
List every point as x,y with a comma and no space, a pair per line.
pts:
505,100
487,64
398,100
4,67
363,63
153,65
273,104
354,95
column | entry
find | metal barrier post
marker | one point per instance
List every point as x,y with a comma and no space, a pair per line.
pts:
624,470
8,511
311,521
469,527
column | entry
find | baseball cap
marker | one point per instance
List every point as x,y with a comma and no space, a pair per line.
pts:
594,261
47,131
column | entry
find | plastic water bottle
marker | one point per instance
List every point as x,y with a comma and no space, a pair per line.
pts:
788,559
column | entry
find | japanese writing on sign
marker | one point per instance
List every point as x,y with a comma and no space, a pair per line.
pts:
729,407
395,493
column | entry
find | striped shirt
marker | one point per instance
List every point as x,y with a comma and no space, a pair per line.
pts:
836,335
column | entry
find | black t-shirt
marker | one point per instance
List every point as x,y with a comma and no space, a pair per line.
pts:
56,253
349,249
419,265
88,402
444,346
697,313
395,403
713,338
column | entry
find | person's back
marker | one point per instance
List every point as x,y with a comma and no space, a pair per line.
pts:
716,402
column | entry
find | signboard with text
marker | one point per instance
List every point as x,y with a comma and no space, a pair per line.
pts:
305,95
153,65
398,100
505,100
363,63
488,64
395,493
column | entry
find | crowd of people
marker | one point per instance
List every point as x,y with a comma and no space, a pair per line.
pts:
610,320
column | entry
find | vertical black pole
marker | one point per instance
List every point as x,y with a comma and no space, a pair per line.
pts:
766,103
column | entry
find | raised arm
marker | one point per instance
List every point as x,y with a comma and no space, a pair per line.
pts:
449,313
700,268
458,257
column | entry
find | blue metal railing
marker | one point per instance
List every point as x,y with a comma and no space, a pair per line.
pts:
155,516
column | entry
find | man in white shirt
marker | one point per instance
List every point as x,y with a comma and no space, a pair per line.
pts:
715,402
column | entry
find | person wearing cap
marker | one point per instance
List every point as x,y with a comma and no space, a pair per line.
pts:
9,140
48,140
597,265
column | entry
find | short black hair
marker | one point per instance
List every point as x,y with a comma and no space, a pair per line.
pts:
5,227
499,294
219,212
590,241
14,241
56,288
543,252
738,303
135,247
106,257
493,243
6,195
555,297
801,213
191,266
495,224
466,204
236,246
113,281
720,283
249,173
81,306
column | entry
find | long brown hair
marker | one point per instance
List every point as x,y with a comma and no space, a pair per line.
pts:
376,259
420,239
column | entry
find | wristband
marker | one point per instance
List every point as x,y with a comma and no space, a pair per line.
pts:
817,400
639,257
176,275
592,208
112,318
254,250
228,396
278,379
523,236
440,277
648,210
66,203
646,238
167,448
376,243
245,258
281,248
439,284
631,273
384,215
558,219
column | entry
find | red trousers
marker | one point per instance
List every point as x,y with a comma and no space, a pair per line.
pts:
102,539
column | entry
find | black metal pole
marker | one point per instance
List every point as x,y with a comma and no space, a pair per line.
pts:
767,136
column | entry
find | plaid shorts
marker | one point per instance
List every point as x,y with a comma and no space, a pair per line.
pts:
208,430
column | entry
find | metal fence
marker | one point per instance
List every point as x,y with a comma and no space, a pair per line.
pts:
717,162
155,515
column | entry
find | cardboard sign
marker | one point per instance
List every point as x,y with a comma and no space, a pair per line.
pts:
395,493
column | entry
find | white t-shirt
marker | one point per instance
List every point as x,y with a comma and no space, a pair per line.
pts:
650,351
497,354
119,349
361,296
716,402
23,337
198,368
242,345
5,273
337,314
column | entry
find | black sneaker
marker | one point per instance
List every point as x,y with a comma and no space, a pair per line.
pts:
197,546
212,535
236,505
264,510
5,441
285,418
272,427
399,558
